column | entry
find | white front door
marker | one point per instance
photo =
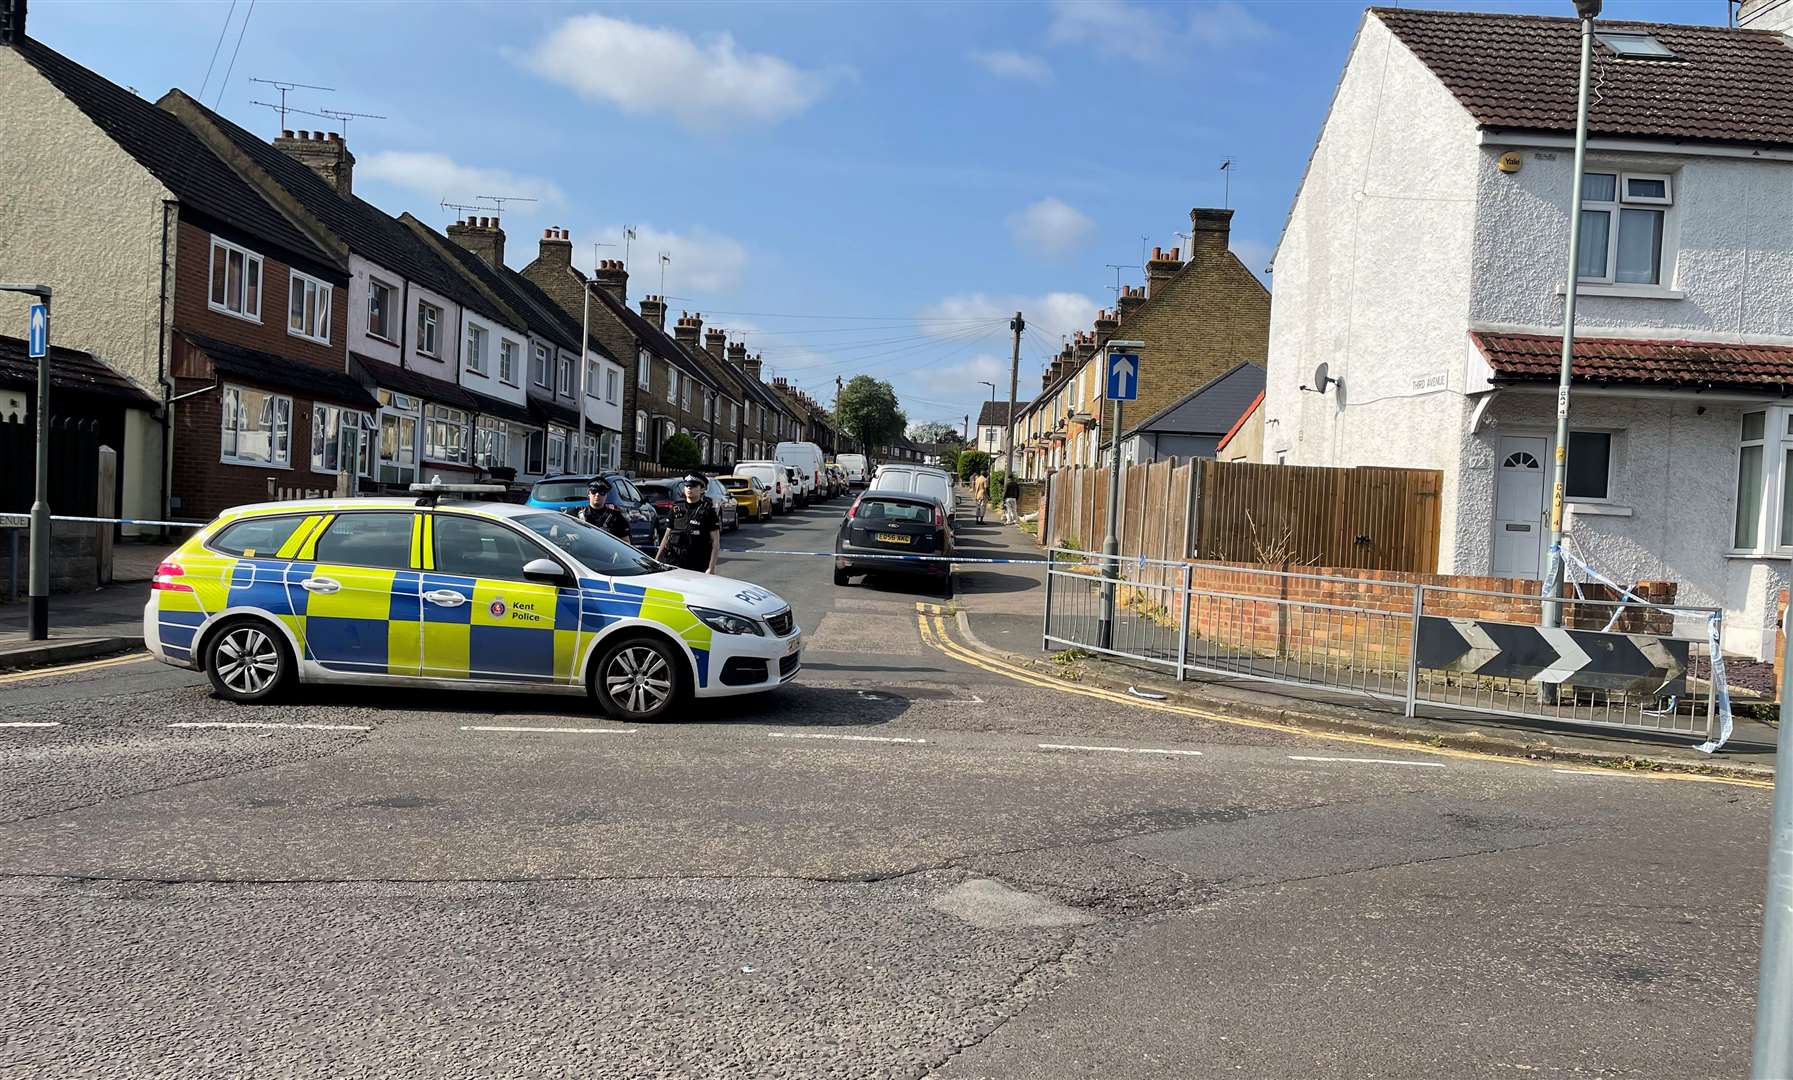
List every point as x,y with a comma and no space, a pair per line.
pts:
1519,506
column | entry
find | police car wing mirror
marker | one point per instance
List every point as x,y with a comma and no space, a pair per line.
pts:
546,570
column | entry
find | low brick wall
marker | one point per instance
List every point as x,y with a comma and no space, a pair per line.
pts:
74,559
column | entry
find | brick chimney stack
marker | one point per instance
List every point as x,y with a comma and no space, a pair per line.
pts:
323,153
1208,231
751,364
481,235
737,354
1083,348
1131,297
612,278
1107,322
12,21
653,309
715,341
1160,268
557,246
688,328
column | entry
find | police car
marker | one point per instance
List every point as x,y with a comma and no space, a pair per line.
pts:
474,595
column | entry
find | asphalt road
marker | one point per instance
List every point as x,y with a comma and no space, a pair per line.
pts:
905,865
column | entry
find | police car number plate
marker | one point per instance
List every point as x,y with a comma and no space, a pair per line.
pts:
894,538
795,644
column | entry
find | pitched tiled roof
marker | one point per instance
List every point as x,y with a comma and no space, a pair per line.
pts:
1211,408
176,157
543,316
280,373
367,230
406,381
1534,357
656,339
996,413
1520,72
71,371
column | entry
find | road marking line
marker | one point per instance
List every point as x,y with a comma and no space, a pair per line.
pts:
76,669
1370,761
1117,749
31,723
941,641
555,730
843,738
272,726
1596,772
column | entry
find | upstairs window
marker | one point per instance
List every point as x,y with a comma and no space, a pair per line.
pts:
507,362
644,364
613,381
429,329
672,385
476,349
1622,220
236,280
538,366
566,376
308,309
379,309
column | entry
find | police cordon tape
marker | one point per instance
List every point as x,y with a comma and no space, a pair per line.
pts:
855,556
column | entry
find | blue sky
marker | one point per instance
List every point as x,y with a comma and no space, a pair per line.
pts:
857,187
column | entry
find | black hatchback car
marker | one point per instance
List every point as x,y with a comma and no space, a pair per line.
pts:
894,523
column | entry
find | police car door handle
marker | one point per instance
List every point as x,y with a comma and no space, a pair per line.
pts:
445,598
320,585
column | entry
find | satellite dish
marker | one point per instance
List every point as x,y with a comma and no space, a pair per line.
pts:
1322,379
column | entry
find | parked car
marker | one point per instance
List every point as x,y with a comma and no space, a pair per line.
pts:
837,479
753,498
794,478
659,495
772,475
665,494
921,479
514,598
566,492
858,469
806,458
727,510
883,522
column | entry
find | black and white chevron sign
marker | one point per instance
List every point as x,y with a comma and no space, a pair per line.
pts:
1643,663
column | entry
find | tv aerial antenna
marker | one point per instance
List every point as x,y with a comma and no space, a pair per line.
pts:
345,117
498,201
285,88
1117,268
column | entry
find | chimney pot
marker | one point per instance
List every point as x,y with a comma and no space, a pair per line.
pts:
286,133
304,134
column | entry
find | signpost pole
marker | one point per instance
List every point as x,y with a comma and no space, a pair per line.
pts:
1120,373
38,337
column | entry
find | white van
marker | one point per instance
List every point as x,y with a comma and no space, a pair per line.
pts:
859,470
919,479
807,459
771,474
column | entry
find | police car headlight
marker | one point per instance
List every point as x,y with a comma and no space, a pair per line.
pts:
725,623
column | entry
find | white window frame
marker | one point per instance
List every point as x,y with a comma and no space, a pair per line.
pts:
672,385
475,345
326,431
1612,465
317,295
280,428
539,374
507,361
644,367
734,414
1613,209
685,394
641,425
613,381
384,334
557,452
1775,511
565,385
429,345
452,422
491,440
250,259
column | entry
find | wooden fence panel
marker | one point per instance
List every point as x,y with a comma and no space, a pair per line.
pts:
1364,518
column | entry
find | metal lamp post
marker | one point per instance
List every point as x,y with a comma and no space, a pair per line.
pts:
38,618
992,387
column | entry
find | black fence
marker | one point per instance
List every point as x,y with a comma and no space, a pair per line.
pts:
74,465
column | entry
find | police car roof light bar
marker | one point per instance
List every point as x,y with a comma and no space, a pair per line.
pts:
431,493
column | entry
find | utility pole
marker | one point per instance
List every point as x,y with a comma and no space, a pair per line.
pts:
584,345
38,617
1553,575
1773,1051
1017,324
967,427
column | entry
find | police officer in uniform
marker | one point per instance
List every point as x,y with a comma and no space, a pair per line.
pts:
695,535
599,514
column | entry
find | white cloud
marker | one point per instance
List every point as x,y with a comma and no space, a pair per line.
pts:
441,177
960,381
702,260
1111,27
645,70
1008,64
1053,314
1116,28
1050,227
1225,23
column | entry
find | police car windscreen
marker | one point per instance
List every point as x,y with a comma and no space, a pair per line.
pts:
598,550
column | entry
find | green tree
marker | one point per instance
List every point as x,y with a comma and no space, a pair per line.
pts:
867,410
973,462
680,452
949,459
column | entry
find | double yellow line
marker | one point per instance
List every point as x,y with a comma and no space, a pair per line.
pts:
931,620
75,669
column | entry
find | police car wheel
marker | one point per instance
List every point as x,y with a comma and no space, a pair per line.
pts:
247,662
637,679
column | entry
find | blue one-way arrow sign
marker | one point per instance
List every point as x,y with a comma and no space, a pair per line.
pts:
1123,377
38,338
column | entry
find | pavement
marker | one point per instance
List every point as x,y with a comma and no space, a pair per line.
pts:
920,860
84,625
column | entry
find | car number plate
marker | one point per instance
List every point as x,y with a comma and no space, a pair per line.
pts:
894,538
795,644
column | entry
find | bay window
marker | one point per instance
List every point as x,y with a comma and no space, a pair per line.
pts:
1622,224
491,443
326,438
557,452
401,420
236,280
445,434
256,427
308,308
1764,520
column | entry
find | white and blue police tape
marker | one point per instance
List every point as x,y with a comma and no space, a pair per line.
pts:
1720,692
858,556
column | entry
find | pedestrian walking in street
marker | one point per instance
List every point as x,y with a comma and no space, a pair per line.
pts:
694,538
600,514
980,490
1011,501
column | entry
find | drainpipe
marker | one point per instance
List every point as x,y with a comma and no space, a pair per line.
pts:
163,382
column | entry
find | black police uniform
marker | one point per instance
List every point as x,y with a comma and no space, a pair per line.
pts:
691,527
606,517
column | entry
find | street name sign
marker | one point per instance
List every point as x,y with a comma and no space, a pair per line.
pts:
1123,377
38,333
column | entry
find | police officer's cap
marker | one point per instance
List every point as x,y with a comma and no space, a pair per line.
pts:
693,480
599,485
